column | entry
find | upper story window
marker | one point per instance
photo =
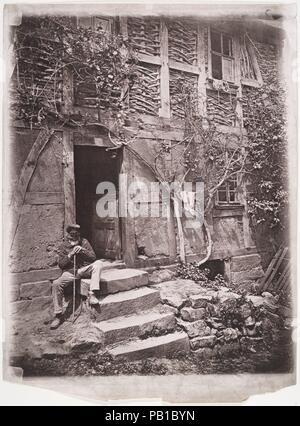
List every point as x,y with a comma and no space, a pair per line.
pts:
96,23
222,59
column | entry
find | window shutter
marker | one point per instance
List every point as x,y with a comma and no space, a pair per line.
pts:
227,69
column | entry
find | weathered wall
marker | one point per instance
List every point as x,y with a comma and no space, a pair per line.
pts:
152,234
40,221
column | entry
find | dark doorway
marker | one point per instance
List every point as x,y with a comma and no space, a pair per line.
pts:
216,267
94,165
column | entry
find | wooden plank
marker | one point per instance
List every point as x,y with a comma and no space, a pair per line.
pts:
161,134
283,276
237,80
33,276
285,283
69,179
251,83
202,73
164,72
124,33
274,269
181,66
41,198
270,268
209,52
229,212
256,66
68,92
127,223
154,60
25,177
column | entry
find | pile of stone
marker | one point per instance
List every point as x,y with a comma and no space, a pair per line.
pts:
221,321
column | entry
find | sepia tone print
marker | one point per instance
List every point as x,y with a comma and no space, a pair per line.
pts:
148,196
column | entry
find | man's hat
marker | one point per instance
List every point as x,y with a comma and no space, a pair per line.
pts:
73,227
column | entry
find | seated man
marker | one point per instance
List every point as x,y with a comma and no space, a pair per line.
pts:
86,266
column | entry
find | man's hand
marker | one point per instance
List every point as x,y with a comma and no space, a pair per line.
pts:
76,249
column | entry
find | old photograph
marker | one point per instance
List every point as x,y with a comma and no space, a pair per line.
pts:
149,199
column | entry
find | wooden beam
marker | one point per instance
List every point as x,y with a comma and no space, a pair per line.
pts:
259,81
154,60
41,198
68,94
237,79
164,72
33,276
127,223
181,66
25,176
201,70
69,179
124,33
283,277
209,52
229,212
161,134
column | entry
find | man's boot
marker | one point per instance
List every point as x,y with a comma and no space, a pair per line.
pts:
56,322
93,299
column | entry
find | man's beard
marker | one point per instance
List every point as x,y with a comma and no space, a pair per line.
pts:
74,241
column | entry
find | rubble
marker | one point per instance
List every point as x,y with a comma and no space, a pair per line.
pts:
220,321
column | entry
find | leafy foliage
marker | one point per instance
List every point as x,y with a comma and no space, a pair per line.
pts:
267,147
205,153
191,271
46,47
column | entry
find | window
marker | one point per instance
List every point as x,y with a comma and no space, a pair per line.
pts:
227,193
222,59
96,23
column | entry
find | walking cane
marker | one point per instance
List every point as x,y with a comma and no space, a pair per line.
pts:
74,289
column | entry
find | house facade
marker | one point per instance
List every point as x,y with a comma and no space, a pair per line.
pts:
55,172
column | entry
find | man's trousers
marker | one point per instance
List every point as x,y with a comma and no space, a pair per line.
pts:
91,271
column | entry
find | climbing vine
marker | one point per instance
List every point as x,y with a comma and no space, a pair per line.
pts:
206,155
267,147
46,48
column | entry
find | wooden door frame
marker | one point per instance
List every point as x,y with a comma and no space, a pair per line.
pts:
126,225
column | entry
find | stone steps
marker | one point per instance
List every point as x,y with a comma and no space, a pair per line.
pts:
169,345
116,280
127,302
140,325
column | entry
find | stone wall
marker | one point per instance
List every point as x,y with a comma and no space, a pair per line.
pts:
220,321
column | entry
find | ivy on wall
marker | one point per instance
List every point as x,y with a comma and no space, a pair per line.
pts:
266,125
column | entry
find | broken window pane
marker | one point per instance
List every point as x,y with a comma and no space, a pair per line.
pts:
216,42
216,65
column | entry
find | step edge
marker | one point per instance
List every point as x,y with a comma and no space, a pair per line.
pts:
177,335
136,324
115,295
